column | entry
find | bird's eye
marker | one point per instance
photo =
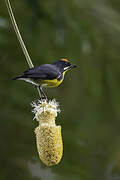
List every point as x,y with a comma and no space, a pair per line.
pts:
66,64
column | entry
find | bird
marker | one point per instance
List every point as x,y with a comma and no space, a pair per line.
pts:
47,75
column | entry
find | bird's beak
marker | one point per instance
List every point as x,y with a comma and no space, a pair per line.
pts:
72,66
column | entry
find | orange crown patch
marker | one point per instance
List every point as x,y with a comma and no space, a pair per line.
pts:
65,59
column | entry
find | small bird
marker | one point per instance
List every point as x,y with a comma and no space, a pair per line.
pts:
46,75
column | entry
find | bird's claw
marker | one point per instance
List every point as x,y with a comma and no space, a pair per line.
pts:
44,99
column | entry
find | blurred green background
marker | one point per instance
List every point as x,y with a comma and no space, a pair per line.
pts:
88,33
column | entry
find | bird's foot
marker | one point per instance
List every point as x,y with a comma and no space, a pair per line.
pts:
43,99
42,95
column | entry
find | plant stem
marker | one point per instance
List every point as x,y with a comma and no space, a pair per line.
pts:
29,61
22,44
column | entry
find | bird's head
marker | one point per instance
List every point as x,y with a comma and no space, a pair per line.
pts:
64,65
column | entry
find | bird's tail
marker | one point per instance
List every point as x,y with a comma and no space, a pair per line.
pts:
17,78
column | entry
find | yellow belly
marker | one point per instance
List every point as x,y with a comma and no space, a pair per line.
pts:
51,83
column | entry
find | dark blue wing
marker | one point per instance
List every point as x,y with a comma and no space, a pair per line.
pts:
45,71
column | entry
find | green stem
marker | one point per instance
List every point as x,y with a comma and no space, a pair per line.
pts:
29,61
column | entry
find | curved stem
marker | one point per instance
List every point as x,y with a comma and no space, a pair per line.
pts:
24,49
29,61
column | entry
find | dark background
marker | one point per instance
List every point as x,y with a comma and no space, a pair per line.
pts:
88,33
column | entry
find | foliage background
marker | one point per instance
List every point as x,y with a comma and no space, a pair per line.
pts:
88,33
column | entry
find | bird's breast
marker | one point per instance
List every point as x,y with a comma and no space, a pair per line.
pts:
51,83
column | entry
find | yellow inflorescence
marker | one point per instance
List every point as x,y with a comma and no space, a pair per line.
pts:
48,134
49,144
